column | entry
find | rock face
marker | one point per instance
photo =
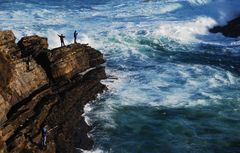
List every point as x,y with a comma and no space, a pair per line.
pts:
40,86
232,29
32,45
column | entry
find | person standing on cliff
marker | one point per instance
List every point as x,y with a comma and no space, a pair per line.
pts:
44,135
75,36
62,39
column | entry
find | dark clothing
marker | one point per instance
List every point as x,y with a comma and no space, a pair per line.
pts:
62,39
75,37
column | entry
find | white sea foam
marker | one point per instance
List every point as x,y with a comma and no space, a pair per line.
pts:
199,2
221,10
231,78
121,39
93,151
206,14
212,96
170,7
85,39
186,32
87,109
192,81
53,38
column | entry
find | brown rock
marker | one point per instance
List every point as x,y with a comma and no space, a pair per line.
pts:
7,37
32,45
67,61
17,81
28,100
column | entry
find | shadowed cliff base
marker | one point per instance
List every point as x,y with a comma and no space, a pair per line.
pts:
41,86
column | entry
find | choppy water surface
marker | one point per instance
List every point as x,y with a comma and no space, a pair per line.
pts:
178,85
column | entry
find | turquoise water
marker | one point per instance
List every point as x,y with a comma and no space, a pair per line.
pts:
178,85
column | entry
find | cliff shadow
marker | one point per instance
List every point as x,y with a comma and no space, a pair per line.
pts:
42,59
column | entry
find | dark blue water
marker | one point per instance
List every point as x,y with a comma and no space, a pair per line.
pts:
178,85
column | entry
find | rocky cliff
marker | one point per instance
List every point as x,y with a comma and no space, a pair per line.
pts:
231,29
40,86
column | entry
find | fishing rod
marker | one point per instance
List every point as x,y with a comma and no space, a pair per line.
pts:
52,128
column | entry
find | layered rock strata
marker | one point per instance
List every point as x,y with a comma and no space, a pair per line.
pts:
39,86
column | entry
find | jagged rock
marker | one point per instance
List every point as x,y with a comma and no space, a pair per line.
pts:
75,58
17,81
232,29
33,45
7,37
51,88
67,61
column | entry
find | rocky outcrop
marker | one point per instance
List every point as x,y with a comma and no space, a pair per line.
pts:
232,29
79,57
40,86
32,45
17,82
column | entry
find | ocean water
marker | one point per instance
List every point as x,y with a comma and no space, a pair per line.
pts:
178,85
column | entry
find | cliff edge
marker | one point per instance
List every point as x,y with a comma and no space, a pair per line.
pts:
40,86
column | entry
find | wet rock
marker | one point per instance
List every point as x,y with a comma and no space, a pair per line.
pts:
232,29
40,86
